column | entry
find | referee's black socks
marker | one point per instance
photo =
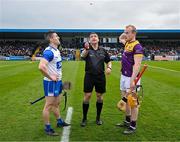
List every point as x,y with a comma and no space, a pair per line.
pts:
85,109
99,105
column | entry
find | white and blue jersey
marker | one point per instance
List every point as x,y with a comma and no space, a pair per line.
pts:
52,55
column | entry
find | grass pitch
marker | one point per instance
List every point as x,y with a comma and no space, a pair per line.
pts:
21,82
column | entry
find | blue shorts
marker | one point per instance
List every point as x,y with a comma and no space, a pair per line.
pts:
52,88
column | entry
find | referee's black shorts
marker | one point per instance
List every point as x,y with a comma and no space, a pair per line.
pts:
99,81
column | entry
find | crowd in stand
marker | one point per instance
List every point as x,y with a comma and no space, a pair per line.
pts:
16,47
68,53
27,48
161,47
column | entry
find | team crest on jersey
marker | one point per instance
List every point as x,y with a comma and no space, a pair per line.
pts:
129,48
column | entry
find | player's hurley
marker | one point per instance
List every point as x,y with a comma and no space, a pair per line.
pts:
140,74
121,105
66,86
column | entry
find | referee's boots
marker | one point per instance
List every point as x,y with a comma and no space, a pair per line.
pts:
83,122
98,121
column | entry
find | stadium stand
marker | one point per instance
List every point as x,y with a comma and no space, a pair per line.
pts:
16,48
161,47
158,44
27,47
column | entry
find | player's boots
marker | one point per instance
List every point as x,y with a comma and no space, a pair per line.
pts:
51,132
63,124
123,124
130,130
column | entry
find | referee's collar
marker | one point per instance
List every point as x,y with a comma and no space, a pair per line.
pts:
93,48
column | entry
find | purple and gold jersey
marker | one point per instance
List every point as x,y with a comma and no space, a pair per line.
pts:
131,49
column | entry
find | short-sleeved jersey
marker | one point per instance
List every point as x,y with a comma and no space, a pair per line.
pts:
95,60
52,55
131,49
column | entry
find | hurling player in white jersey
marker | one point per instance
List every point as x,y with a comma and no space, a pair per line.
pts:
51,67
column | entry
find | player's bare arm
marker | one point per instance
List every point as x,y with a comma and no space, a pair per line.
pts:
43,68
136,68
122,38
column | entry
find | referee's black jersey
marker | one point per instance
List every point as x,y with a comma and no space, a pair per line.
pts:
95,61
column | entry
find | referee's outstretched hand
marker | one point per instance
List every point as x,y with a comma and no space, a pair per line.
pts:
86,45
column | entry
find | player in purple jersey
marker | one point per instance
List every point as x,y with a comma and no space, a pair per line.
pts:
131,62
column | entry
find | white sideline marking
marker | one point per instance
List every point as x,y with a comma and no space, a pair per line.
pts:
164,69
66,130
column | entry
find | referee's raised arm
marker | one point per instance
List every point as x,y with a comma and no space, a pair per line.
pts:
85,51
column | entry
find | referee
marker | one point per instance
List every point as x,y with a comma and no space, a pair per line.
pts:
95,57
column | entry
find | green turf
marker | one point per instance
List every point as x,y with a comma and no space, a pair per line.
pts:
21,82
